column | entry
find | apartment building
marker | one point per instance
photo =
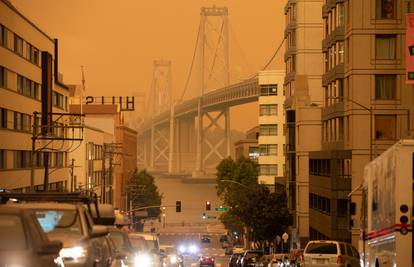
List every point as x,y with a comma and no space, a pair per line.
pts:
28,63
271,128
304,98
248,147
367,106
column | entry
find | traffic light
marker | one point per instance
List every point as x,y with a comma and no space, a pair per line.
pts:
204,216
178,206
208,205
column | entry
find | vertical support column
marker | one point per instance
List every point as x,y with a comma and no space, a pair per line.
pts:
171,142
177,145
227,131
202,44
200,136
151,163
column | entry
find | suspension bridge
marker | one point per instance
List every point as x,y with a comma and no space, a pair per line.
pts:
176,136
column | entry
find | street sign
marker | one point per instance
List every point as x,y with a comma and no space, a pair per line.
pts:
221,209
211,217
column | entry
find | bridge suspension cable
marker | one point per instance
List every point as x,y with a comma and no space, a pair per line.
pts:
274,55
191,66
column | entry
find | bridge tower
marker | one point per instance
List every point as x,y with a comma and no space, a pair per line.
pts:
214,73
159,100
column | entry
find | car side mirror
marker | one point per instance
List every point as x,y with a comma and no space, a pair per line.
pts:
51,247
99,231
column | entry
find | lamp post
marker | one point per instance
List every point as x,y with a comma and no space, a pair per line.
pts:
370,119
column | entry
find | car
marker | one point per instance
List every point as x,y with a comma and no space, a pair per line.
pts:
330,253
207,261
279,260
250,257
234,258
151,245
23,243
73,226
122,245
205,239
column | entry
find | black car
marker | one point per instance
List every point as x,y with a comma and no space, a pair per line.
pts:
205,239
250,257
23,242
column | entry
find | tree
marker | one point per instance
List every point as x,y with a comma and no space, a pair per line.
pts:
143,192
263,212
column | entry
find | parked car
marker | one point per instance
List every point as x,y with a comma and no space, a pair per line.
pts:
279,260
152,247
250,257
23,242
73,225
234,258
330,253
207,261
123,245
263,261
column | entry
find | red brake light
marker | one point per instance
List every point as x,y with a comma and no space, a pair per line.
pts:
339,260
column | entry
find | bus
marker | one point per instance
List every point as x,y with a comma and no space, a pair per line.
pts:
387,208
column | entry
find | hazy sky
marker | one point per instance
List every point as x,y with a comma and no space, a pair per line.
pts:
117,40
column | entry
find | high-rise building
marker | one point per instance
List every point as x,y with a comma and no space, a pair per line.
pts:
271,129
28,62
367,107
304,97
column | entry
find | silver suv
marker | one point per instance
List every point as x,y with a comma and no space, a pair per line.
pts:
73,226
323,253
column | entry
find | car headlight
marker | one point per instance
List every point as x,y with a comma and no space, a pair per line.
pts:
142,260
182,249
193,249
73,253
173,259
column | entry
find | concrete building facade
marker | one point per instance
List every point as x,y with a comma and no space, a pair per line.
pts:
22,45
272,128
248,147
367,106
304,97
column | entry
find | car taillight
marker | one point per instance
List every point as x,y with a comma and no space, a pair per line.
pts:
339,260
245,258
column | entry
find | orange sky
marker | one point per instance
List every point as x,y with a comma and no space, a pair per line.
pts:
117,40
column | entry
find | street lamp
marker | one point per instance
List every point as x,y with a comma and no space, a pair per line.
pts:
370,118
235,182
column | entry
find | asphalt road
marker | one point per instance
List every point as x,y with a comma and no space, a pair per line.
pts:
203,249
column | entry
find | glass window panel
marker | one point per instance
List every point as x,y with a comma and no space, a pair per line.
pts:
385,46
385,87
385,127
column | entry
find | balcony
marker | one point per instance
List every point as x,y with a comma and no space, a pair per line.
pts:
336,73
289,52
291,26
332,111
336,35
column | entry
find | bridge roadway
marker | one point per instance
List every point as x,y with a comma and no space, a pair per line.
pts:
233,95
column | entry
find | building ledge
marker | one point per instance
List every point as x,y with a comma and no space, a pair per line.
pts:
336,73
337,35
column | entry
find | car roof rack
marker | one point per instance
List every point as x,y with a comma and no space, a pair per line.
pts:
84,197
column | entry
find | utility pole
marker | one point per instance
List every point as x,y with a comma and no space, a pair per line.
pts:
72,166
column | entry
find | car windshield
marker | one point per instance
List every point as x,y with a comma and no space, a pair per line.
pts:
12,233
58,222
321,248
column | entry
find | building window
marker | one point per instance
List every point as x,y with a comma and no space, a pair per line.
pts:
3,35
268,150
385,127
32,54
268,110
385,9
3,160
59,159
90,151
385,45
58,100
341,14
18,121
342,207
385,86
270,89
3,118
268,169
341,52
22,159
18,45
27,87
3,77
268,130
